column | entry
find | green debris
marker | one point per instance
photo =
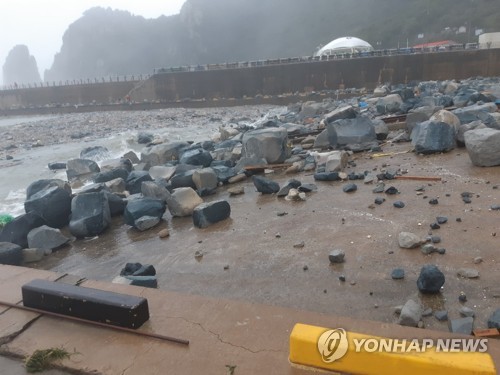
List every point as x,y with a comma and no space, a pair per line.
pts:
43,359
5,219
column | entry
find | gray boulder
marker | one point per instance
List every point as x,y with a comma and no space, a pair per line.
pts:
45,237
116,204
183,201
462,325
33,255
118,163
10,254
410,314
146,222
81,169
53,204
132,156
116,186
265,185
409,240
17,230
160,172
389,104
90,214
162,153
483,146
205,178
135,179
207,214
111,175
144,138
183,179
431,137
152,190
476,112
198,156
269,144
345,112
139,208
353,131
224,173
39,185
462,129
414,118
430,280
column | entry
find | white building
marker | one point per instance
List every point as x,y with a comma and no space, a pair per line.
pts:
348,44
489,40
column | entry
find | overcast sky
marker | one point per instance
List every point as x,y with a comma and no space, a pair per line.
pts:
40,24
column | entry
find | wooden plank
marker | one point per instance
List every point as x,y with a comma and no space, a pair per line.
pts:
267,166
418,178
86,303
491,332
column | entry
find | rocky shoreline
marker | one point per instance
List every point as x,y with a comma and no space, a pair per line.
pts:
293,156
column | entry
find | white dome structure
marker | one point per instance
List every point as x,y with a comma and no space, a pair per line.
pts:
348,44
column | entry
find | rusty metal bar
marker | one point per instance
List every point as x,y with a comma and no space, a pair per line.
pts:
99,324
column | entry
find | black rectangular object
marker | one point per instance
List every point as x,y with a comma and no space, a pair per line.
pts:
86,303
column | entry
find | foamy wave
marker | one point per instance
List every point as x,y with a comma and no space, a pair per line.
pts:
13,204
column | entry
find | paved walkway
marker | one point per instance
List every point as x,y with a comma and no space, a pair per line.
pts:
254,338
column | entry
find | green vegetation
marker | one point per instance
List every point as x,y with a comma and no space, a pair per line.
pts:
5,219
43,359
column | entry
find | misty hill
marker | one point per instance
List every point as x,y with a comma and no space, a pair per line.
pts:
106,42
20,67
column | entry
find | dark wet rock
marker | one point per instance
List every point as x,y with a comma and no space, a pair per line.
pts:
95,153
379,200
154,190
342,278
411,313
441,251
433,201
494,320
399,204
398,273
435,226
53,204
224,173
430,280
146,222
428,249
483,146
205,178
183,179
466,312
462,298
45,237
144,138
54,166
337,256
197,156
381,131
17,230
323,176
116,204
10,254
462,325
265,186
137,269
135,179
414,118
345,112
39,185
138,208
81,168
349,188
307,188
326,139
111,175
441,315
379,188
495,207
476,112
269,144
435,239
391,191
207,214
183,201
162,153
441,220
431,137
132,156
354,131
90,214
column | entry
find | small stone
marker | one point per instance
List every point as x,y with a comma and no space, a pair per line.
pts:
441,315
428,249
462,298
435,226
397,309
398,274
325,291
342,278
478,260
459,220
277,235
283,213
299,245
236,190
164,233
305,268
441,220
379,188
410,314
468,273
198,254
226,267
379,200
350,188
433,201
392,191
466,200
430,280
420,324
398,204
420,188
353,283
408,240
466,312
462,325
435,239
427,312
337,256
441,251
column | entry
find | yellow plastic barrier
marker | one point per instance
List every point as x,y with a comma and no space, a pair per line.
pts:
355,353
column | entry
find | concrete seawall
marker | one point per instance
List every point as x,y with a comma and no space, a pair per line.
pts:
269,80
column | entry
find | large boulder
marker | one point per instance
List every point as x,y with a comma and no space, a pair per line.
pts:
90,214
207,214
341,113
39,185
430,280
265,185
476,112
414,118
151,189
118,163
116,186
353,131
183,179
162,153
111,175
269,144
327,138
197,156
45,237
81,168
53,204
446,116
183,201
431,137
95,153
205,178
139,208
389,104
135,179
224,173
17,230
160,172
462,129
10,254
483,146
116,204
